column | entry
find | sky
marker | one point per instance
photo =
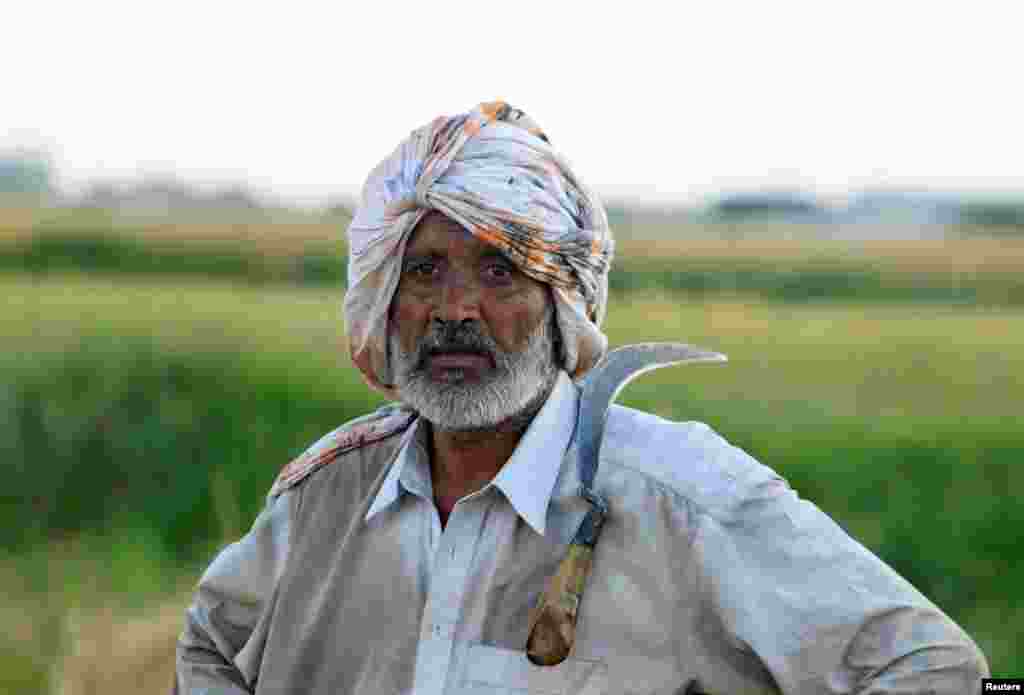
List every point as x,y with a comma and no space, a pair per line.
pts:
649,101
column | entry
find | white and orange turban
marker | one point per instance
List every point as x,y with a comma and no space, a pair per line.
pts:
493,171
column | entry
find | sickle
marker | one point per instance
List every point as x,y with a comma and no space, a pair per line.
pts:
552,631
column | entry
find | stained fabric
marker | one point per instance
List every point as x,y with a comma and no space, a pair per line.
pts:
494,171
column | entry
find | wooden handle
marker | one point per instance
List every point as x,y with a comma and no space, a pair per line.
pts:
553,621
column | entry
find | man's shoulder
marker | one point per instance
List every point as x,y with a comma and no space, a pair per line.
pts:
375,427
689,458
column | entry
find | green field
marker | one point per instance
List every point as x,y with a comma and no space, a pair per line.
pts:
884,361
147,411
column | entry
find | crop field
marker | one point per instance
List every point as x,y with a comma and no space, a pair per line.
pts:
292,235
145,415
948,363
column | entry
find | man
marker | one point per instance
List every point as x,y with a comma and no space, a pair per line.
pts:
403,553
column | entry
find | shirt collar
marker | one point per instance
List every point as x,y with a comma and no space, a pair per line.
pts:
527,478
414,478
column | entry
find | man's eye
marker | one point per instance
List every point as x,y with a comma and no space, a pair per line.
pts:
499,272
423,269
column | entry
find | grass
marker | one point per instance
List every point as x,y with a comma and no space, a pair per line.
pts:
47,313
888,360
968,255
259,234
948,364
93,614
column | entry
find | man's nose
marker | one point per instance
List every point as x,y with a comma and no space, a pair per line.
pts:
459,299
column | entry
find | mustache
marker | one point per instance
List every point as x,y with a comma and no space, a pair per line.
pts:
453,337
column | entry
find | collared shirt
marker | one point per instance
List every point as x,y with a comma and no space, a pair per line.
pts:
711,576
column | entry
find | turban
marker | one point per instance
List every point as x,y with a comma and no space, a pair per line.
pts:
493,171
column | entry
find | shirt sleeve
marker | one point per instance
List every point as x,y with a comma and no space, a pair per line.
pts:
220,649
819,610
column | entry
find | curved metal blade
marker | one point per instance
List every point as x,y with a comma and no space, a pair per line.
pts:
607,378
552,630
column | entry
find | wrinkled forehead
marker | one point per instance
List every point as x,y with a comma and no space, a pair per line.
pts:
439,235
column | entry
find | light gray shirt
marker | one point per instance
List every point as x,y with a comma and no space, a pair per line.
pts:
711,576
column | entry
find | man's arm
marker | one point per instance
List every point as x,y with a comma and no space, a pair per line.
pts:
220,648
822,612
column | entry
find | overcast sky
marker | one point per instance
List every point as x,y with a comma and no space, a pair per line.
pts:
650,100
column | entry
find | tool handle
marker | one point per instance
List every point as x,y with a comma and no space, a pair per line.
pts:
553,621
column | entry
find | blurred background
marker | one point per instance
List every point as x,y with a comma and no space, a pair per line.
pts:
833,197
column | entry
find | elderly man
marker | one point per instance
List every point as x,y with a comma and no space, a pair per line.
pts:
406,551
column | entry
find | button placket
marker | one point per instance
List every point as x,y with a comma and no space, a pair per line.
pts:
451,573
444,600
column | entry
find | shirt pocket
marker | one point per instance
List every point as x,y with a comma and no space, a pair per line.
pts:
492,670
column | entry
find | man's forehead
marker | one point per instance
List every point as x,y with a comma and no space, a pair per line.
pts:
437,233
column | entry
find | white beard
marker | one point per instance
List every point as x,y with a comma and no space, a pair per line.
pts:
514,391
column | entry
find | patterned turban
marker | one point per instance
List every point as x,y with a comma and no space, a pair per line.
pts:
493,171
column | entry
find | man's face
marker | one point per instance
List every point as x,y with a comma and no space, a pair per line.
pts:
471,336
